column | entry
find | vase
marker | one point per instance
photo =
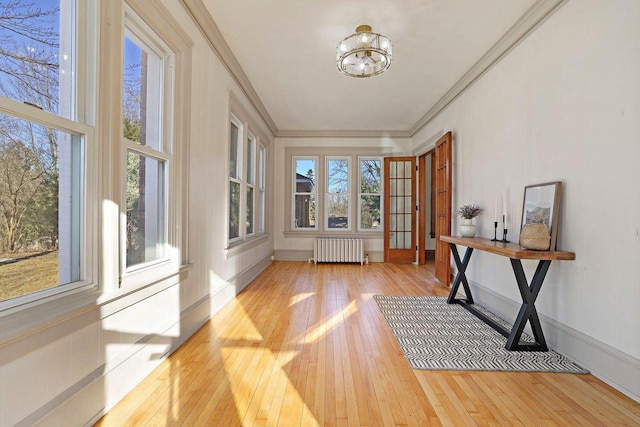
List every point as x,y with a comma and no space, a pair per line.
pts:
467,228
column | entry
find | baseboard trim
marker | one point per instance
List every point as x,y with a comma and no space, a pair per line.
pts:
85,399
302,255
616,368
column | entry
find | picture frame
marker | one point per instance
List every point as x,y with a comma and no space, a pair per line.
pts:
541,204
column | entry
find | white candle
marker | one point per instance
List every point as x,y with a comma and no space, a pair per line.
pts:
504,208
504,203
495,209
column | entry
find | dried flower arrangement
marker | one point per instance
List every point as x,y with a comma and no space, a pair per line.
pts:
469,211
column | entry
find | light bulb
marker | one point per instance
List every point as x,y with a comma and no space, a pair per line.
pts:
343,47
364,39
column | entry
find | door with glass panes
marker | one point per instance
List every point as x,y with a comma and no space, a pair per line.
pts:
399,209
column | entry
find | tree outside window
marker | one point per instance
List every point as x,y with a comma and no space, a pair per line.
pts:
41,178
337,194
370,197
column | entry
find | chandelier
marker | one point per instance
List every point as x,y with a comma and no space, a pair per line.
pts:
364,53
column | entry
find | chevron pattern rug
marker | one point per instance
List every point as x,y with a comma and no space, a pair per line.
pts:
439,336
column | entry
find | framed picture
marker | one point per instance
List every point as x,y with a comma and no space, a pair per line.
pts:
541,204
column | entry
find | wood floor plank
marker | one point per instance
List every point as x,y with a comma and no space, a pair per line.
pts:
306,345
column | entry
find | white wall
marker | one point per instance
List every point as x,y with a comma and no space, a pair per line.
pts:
564,105
75,366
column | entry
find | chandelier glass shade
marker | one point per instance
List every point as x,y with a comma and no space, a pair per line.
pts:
364,53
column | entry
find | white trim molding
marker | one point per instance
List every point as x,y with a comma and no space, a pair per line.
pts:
203,20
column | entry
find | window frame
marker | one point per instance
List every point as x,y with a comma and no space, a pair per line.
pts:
262,188
250,182
294,192
135,28
380,194
80,123
237,179
328,194
322,152
249,140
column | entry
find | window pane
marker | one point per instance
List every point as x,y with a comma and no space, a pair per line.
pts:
145,209
370,212
36,54
249,210
233,151
262,163
370,187
41,206
142,95
262,212
338,176
305,176
250,156
370,176
234,210
305,211
261,187
338,207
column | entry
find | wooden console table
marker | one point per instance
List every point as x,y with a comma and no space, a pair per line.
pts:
528,292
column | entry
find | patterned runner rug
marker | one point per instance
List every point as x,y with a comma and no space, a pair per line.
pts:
439,336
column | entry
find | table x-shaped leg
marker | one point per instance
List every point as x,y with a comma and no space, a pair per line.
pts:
528,310
460,277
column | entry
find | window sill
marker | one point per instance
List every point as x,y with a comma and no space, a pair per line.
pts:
89,303
238,247
358,234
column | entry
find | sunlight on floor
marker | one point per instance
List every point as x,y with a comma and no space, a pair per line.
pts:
320,330
300,297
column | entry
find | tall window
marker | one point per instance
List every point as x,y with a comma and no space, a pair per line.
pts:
44,144
262,175
251,184
247,158
337,193
370,193
305,194
235,163
146,128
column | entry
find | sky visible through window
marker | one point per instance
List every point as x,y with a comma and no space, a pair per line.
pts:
35,72
304,166
30,52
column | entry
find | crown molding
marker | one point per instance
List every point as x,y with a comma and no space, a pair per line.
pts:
532,18
205,23
537,13
343,134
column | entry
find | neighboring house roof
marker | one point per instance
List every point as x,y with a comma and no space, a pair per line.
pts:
304,184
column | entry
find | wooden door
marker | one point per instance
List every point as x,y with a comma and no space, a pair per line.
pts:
399,209
422,206
443,206
424,202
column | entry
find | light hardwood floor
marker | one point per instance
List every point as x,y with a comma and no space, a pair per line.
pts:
306,345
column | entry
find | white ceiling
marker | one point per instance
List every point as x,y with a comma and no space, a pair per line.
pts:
287,50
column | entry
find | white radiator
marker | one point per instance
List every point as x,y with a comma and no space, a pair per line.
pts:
338,249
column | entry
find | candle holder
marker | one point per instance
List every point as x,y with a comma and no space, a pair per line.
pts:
495,232
504,229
